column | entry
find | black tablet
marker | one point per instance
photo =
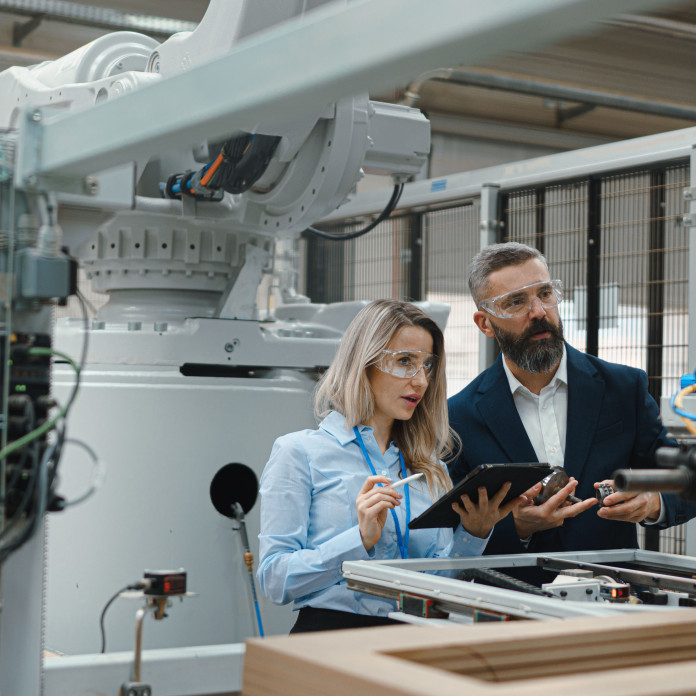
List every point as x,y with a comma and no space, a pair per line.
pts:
492,477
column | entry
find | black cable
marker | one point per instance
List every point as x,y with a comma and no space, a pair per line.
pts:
489,576
133,586
393,201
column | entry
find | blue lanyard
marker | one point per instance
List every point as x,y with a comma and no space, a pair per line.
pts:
403,543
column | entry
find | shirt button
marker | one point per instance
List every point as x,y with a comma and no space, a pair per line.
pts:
553,449
543,408
394,537
384,473
396,449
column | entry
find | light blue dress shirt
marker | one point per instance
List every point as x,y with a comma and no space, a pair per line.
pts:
309,519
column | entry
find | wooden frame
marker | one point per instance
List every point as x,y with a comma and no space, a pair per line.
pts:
642,654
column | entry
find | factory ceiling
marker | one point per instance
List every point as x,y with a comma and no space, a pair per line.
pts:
631,76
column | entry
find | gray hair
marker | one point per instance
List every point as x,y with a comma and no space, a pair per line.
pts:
494,257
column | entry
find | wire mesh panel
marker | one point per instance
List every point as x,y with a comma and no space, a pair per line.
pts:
553,219
371,267
619,246
378,264
644,267
451,241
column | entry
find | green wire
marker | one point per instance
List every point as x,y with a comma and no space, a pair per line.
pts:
48,425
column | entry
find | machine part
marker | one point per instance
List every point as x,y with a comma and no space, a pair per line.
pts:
651,579
417,577
420,606
234,483
165,583
574,589
135,689
678,476
603,490
552,484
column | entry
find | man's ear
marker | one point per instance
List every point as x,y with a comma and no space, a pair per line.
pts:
483,321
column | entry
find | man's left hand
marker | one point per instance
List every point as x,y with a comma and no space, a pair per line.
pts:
625,506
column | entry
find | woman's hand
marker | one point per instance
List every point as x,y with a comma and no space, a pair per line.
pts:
373,502
479,519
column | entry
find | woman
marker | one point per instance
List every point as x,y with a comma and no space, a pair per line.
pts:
323,501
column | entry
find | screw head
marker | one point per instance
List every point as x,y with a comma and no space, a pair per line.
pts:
91,185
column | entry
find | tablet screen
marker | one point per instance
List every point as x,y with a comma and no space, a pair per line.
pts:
490,476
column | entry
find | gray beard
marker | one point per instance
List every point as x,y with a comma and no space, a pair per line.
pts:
528,355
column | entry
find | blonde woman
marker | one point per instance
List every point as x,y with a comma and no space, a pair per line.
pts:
323,500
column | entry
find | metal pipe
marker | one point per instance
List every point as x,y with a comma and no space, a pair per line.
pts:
505,83
666,480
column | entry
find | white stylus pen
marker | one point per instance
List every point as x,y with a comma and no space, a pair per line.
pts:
403,482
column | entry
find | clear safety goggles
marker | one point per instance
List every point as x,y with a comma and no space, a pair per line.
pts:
407,363
518,302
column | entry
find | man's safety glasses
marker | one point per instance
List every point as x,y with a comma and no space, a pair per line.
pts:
407,363
518,302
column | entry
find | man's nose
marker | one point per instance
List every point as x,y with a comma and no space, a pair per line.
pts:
536,309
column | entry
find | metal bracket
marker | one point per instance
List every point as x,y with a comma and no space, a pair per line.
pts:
20,31
136,689
27,164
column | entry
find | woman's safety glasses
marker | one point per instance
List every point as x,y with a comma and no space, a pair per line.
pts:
407,363
518,302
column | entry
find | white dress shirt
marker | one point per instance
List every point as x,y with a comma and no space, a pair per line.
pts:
544,416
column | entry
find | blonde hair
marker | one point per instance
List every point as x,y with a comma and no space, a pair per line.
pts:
426,437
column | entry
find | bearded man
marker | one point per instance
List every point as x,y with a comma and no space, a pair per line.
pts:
542,400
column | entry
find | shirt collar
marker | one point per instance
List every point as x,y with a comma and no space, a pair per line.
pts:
335,424
561,375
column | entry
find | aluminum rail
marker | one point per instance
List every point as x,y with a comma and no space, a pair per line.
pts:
297,67
624,154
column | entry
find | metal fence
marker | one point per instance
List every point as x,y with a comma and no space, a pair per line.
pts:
616,240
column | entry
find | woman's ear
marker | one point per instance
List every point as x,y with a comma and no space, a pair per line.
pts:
483,321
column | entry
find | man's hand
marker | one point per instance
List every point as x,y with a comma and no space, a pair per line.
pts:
630,506
530,518
480,518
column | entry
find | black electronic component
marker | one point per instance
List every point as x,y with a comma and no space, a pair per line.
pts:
165,583
28,403
420,606
615,591
653,597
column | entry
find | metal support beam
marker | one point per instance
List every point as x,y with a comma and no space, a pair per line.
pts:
97,17
21,30
569,93
490,234
301,65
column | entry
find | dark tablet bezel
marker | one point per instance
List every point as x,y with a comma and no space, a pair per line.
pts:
491,477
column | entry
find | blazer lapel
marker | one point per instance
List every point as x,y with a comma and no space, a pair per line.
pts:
496,406
585,393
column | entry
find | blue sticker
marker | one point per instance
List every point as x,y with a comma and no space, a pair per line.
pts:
439,185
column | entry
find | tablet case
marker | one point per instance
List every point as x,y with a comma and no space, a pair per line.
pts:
492,477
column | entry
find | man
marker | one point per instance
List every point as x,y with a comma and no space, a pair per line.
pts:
544,401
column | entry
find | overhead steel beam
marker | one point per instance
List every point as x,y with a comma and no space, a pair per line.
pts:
541,88
98,17
296,67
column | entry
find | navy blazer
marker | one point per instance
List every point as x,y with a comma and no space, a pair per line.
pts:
613,423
